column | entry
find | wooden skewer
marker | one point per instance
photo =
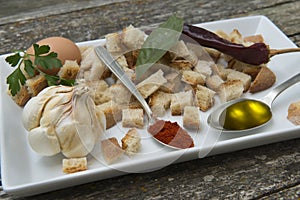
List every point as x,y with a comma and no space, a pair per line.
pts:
274,52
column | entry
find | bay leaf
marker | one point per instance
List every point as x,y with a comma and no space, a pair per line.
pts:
158,43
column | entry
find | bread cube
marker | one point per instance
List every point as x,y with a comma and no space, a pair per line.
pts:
72,165
131,142
264,80
191,117
294,113
111,150
231,90
236,75
173,83
133,118
69,70
159,102
151,84
133,38
213,82
113,42
193,78
180,100
204,67
112,113
204,98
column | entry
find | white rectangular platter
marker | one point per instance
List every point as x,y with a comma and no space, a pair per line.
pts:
26,173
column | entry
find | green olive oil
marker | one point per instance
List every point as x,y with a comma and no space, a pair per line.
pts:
245,115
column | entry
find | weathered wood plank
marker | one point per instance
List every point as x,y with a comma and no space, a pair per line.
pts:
95,22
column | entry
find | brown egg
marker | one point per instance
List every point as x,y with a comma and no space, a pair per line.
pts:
65,49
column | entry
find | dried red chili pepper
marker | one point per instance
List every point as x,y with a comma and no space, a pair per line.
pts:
171,133
255,54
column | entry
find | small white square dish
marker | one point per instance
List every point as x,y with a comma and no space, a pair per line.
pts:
26,173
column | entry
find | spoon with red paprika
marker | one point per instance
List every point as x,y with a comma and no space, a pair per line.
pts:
256,54
167,133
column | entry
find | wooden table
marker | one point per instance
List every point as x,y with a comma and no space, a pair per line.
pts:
266,172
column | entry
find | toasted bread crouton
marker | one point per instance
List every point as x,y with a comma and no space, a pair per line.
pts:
254,39
236,36
193,78
133,118
69,70
173,83
264,80
133,38
252,71
180,51
230,90
222,34
22,97
131,142
112,113
159,102
181,64
236,75
211,54
191,117
120,94
111,150
199,51
294,113
113,43
91,68
100,92
213,82
131,58
121,59
36,84
151,84
219,70
72,165
204,67
204,98
180,100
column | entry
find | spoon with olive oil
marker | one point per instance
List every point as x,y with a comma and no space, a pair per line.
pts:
246,114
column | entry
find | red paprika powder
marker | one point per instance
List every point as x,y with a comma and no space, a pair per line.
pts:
171,133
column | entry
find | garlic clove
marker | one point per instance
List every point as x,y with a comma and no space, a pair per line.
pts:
32,113
55,109
43,140
33,110
72,145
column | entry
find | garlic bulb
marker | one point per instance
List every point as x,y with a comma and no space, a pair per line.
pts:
63,119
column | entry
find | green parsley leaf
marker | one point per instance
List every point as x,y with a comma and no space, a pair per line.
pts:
40,50
13,60
49,61
14,80
67,82
29,68
55,80
158,43
52,80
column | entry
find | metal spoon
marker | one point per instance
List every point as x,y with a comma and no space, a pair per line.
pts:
115,67
245,114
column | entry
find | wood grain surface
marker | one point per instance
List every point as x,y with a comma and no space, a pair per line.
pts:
265,172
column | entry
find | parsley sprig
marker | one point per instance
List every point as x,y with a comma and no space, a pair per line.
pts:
42,58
